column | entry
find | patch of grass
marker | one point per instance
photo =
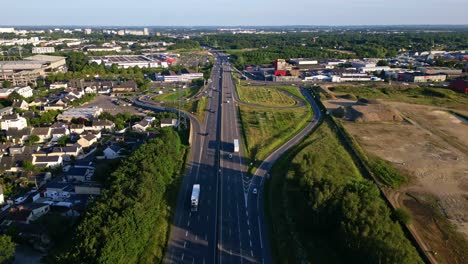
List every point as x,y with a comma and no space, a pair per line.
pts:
181,93
265,96
418,95
266,129
292,239
385,172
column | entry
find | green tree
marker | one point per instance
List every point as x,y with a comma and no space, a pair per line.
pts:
6,84
7,249
33,139
63,140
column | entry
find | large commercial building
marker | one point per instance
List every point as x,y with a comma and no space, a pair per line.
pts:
440,70
126,61
29,69
419,77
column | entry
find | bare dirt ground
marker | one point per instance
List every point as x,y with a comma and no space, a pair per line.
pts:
431,146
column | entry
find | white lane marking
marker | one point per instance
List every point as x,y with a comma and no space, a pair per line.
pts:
183,256
190,214
240,240
188,223
250,243
186,233
248,223
246,213
249,232
185,244
196,237
260,232
251,253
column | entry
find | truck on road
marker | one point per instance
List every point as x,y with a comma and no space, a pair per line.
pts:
195,198
236,145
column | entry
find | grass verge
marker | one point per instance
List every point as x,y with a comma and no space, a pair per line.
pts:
291,239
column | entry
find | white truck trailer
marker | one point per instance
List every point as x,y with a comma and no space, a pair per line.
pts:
236,145
195,197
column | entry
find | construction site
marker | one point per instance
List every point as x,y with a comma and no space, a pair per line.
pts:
429,145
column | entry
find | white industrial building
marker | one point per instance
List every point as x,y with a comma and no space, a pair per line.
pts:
186,77
43,50
88,113
7,30
25,91
126,61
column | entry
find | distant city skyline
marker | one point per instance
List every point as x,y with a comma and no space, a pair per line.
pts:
234,13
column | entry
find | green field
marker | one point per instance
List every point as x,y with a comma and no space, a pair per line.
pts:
266,129
418,95
172,96
265,96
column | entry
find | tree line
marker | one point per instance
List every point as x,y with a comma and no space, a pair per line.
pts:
128,223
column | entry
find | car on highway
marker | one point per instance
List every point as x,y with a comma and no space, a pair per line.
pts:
254,191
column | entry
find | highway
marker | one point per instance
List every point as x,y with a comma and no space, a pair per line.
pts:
229,225
239,235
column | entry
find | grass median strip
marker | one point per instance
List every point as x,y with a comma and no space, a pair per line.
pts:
266,129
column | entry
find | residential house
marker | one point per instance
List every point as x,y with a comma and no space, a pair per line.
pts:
90,89
44,133
18,136
47,161
27,213
168,122
58,190
112,152
80,174
15,163
87,140
6,111
77,128
4,148
141,126
99,125
16,150
20,104
13,122
39,102
67,152
150,119
59,132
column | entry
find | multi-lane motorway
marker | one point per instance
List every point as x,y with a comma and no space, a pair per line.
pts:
228,226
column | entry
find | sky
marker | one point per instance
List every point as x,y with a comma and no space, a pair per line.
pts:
232,12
